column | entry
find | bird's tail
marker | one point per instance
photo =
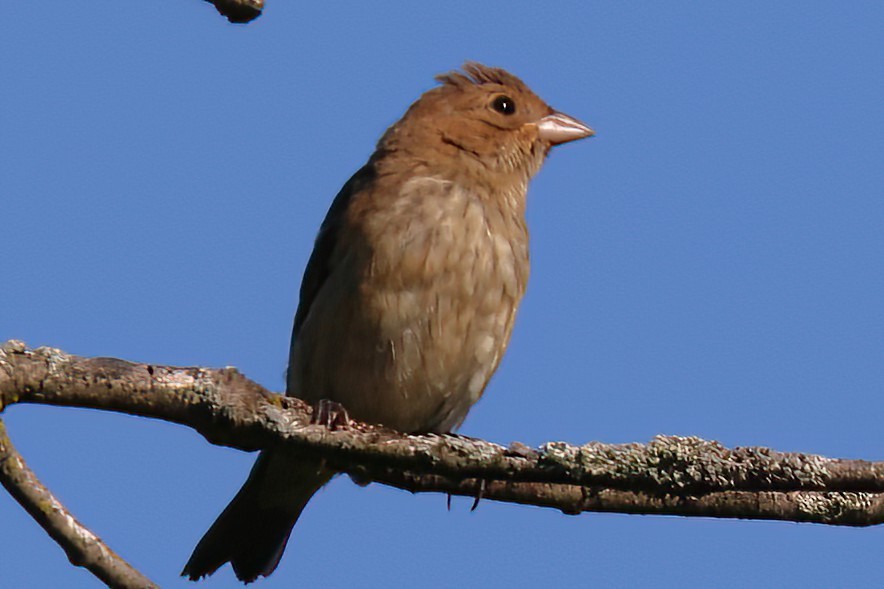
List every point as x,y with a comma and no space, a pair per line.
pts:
251,533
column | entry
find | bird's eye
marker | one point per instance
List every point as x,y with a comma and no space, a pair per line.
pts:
504,105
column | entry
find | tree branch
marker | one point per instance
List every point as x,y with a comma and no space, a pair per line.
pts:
670,475
83,548
239,11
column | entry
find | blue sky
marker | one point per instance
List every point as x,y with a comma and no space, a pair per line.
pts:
709,264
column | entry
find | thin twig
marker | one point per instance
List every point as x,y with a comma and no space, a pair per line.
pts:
83,548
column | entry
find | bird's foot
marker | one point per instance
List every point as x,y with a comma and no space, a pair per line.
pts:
330,414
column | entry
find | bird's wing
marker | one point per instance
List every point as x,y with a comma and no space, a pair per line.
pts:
320,265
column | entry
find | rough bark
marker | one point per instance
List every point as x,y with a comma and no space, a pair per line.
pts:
670,475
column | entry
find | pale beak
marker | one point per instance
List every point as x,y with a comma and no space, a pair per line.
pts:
559,128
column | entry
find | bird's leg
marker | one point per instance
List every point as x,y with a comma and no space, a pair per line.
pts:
330,414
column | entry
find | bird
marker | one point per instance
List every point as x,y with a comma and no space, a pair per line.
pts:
409,297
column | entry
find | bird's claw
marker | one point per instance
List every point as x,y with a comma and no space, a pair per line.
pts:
479,495
330,414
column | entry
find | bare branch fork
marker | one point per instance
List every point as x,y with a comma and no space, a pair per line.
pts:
670,475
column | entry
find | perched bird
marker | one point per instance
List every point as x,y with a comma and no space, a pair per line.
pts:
409,297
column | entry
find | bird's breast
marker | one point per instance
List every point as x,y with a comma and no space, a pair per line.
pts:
430,307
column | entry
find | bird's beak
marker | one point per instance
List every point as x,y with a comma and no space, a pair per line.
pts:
559,128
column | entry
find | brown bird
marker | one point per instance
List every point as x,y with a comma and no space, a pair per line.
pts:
409,297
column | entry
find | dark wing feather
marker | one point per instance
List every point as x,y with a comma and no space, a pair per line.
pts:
319,267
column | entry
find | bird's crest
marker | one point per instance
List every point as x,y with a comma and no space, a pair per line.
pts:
476,74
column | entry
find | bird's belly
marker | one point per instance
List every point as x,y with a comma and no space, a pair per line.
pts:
419,366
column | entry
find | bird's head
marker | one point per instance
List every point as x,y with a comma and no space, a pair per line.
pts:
484,123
